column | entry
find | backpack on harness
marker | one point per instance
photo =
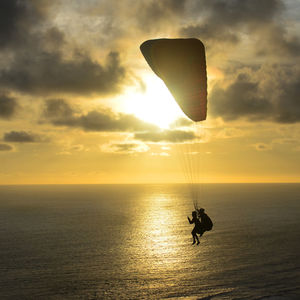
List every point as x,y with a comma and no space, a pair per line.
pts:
207,222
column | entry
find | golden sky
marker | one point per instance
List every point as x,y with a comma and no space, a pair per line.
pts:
79,104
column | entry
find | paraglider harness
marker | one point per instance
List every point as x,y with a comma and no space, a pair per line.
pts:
206,221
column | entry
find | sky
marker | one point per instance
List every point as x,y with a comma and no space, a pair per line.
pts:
79,104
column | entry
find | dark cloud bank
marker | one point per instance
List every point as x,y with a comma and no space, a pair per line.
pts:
37,64
51,73
21,137
228,21
262,22
272,95
8,106
59,113
270,91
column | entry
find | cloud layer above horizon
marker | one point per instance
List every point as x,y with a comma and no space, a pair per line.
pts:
66,68
42,56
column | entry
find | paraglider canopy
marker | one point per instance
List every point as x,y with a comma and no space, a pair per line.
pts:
181,64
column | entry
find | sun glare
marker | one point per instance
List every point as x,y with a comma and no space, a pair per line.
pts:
156,105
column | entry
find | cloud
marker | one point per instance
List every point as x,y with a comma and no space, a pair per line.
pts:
222,18
154,14
275,40
99,121
49,72
18,17
269,92
118,18
240,98
125,148
57,109
21,137
78,148
40,60
5,147
262,147
228,133
174,136
8,106
210,32
9,11
71,149
181,122
288,105
234,12
59,113
231,20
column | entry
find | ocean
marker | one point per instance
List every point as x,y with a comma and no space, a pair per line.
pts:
134,242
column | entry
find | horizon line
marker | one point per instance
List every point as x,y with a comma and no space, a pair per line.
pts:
151,183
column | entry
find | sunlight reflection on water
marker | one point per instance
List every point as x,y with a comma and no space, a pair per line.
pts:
134,242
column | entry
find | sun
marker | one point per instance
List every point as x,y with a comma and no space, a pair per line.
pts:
156,105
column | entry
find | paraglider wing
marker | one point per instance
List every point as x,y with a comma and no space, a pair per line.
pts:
181,64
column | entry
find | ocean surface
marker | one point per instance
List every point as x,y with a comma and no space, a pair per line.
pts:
134,242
